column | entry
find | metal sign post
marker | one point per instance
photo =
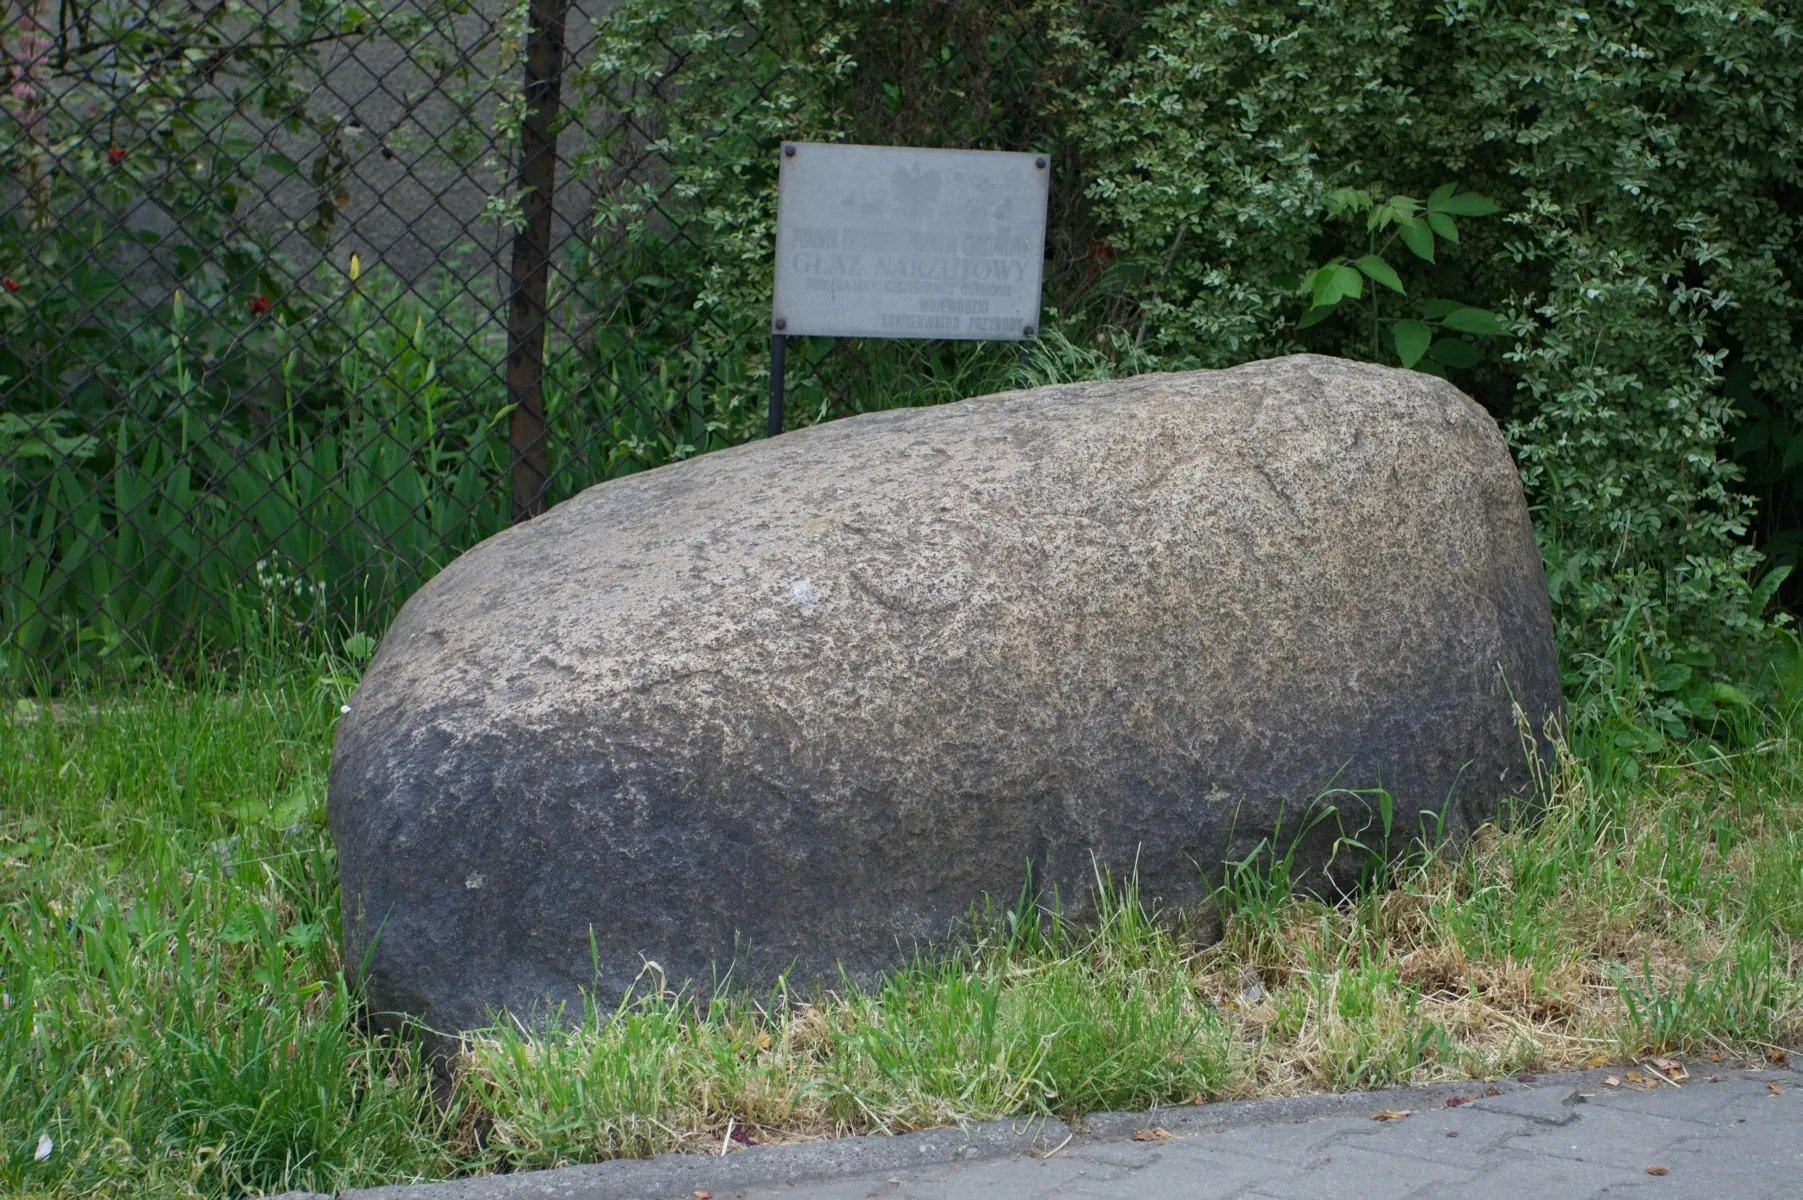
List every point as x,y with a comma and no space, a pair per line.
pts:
779,344
897,242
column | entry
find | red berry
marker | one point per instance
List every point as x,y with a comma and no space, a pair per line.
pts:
116,154
10,284
259,304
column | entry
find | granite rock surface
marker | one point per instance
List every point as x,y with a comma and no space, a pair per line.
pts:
796,706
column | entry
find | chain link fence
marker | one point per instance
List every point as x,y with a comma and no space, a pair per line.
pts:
302,298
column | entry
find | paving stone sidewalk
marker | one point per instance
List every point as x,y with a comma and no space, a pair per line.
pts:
1547,1138
1732,1139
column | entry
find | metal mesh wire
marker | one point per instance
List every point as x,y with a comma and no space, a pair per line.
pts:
266,333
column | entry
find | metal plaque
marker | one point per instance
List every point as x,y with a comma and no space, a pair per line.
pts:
887,241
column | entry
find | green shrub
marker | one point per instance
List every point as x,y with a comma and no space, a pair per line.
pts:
1645,264
1645,158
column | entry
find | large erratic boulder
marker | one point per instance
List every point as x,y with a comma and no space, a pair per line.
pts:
799,705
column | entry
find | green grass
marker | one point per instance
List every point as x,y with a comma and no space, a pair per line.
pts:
282,474
175,1015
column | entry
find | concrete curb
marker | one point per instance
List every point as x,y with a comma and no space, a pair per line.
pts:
1237,1114
680,1176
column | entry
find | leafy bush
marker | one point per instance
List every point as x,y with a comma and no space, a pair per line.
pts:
193,441
1208,159
1646,259
1647,159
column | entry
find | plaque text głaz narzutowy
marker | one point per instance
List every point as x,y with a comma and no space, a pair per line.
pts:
887,241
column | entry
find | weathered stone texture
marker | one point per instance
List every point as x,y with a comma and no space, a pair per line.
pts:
801,703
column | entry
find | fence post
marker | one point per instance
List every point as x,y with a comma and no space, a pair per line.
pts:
532,256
